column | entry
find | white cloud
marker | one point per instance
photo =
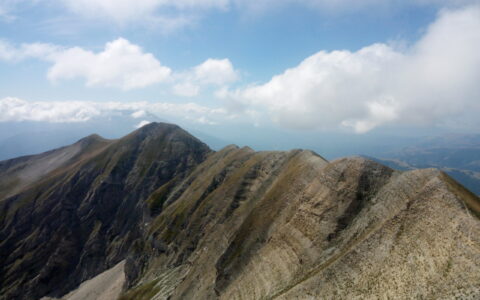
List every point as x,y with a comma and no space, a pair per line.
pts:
430,83
17,110
186,89
138,114
121,64
7,52
215,71
142,123
212,72
325,89
10,53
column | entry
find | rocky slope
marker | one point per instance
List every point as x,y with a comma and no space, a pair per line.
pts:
69,214
239,224
292,226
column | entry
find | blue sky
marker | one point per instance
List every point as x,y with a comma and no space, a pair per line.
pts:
260,44
355,67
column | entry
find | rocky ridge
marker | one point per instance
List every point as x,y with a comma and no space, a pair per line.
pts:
83,215
240,224
289,225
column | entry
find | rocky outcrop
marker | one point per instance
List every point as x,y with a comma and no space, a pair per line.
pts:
238,224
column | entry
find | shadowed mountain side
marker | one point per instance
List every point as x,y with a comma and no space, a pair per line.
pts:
80,208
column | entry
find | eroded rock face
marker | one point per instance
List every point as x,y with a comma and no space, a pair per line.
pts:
237,224
83,216
290,225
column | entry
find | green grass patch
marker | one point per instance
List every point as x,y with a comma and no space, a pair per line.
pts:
157,199
143,292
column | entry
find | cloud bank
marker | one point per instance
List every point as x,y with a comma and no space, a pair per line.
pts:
18,110
432,82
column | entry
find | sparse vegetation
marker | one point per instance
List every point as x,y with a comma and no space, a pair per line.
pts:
143,292
158,198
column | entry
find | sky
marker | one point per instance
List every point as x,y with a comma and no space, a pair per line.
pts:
228,66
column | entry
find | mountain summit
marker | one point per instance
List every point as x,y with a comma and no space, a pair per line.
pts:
69,214
158,215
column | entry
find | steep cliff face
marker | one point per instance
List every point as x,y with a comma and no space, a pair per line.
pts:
71,213
235,224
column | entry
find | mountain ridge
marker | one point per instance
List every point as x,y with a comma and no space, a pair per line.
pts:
75,207
188,222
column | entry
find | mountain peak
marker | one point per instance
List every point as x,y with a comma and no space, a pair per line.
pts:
92,139
156,127
100,189
158,131
156,136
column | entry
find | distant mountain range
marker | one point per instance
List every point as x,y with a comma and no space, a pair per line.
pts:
457,155
157,214
27,138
